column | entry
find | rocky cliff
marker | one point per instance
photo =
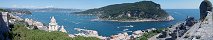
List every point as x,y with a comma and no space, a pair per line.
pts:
201,30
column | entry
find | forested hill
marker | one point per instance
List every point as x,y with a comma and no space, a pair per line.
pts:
137,10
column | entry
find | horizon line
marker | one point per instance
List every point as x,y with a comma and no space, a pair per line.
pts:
90,8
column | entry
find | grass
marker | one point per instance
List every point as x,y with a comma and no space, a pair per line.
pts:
20,32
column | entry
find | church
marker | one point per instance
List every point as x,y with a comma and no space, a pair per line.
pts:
53,26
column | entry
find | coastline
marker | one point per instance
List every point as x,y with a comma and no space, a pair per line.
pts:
169,18
122,35
91,33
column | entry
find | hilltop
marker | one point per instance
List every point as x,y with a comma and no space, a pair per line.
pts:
138,11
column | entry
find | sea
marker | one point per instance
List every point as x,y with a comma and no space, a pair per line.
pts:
108,28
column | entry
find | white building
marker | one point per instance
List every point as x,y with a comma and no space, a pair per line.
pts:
62,29
137,33
120,36
88,33
53,26
129,15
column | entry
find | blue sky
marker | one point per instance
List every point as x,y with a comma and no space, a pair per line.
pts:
88,4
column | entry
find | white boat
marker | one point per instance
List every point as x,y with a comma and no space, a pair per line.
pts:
125,29
129,26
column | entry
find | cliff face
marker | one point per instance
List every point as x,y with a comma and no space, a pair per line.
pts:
130,11
189,30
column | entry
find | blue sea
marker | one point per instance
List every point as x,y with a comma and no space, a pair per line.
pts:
108,28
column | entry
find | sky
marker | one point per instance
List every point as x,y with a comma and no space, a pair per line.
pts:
90,4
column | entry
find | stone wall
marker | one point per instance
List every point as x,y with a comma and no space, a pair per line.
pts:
4,29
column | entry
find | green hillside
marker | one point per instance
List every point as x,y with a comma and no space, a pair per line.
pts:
125,11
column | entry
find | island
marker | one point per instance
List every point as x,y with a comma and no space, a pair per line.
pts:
130,12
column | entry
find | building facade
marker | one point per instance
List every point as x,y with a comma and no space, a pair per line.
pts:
53,26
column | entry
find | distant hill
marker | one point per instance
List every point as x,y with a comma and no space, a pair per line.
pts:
130,11
28,10
18,11
55,10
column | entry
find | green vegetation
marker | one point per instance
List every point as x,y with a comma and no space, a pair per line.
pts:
20,32
137,10
150,34
2,10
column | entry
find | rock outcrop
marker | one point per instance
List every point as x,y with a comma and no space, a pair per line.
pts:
201,30
189,30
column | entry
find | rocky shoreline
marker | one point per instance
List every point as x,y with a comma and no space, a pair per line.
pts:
87,33
169,18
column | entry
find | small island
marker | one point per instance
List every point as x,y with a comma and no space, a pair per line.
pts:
130,12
